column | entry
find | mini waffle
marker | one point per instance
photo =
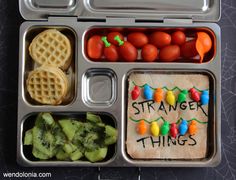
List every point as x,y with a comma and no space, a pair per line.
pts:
51,47
47,85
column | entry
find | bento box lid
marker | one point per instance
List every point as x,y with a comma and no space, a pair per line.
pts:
148,10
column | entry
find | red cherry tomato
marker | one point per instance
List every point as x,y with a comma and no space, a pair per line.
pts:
169,53
128,52
188,49
138,39
112,35
149,53
178,38
160,39
111,53
95,47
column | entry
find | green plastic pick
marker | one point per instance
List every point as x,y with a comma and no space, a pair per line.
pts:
117,38
104,39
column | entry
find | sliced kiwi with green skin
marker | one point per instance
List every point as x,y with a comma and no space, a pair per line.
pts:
57,132
42,143
93,118
76,155
69,148
48,119
69,139
111,135
68,127
28,139
62,155
110,131
90,141
39,122
38,154
96,155
110,140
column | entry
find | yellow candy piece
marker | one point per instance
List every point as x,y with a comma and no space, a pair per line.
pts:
155,129
170,98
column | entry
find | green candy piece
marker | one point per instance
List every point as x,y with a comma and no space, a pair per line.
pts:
165,128
182,96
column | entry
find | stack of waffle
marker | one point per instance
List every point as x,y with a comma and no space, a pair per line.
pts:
48,84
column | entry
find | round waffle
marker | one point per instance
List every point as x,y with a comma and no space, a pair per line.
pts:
51,47
47,85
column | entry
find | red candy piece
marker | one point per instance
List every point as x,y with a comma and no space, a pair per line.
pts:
195,95
173,130
135,93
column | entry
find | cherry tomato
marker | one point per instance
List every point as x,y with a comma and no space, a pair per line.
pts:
178,38
149,53
188,49
138,39
112,35
111,53
160,39
169,53
95,47
128,52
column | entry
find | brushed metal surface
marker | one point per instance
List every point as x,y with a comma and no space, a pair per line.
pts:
118,108
200,10
64,4
99,87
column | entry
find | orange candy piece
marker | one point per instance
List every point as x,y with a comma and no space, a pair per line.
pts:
192,127
141,127
158,95
203,44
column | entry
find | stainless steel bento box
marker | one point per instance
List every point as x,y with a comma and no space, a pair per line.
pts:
77,18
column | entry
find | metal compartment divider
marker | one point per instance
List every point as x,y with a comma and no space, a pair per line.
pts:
117,109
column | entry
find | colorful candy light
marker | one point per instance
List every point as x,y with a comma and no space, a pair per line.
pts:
173,130
155,129
170,98
183,127
141,127
192,128
205,97
182,96
135,93
165,128
194,95
147,92
158,95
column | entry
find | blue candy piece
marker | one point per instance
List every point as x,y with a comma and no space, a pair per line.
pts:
205,97
183,127
148,93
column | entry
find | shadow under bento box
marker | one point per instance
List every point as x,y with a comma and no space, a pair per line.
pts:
103,87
